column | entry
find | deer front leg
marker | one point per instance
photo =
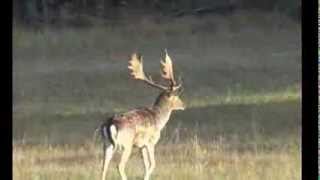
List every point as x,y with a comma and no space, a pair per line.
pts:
124,159
107,153
152,162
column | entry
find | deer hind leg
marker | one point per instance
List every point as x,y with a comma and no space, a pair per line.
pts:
152,162
107,153
124,159
146,161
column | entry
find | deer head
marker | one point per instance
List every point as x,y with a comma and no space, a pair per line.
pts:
169,97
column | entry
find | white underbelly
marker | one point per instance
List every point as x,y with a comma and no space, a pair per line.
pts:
143,139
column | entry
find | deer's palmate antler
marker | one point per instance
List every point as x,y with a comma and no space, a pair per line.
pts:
141,127
136,67
167,69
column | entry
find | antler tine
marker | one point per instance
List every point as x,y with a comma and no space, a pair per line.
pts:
136,67
179,85
167,69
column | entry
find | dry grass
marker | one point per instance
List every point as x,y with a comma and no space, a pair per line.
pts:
183,161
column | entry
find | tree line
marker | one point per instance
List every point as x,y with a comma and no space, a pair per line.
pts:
50,11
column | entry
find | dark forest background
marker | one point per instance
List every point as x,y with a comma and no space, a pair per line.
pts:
86,12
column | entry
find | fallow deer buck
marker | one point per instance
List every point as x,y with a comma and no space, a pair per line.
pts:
141,127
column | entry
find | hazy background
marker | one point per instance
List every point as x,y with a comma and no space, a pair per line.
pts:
241,65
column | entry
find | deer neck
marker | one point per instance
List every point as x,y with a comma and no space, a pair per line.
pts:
162,116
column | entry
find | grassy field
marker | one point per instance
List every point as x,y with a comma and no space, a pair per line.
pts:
242,87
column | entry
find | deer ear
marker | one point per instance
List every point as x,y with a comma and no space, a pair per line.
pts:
172,97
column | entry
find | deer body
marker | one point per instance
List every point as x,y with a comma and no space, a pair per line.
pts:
140,127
